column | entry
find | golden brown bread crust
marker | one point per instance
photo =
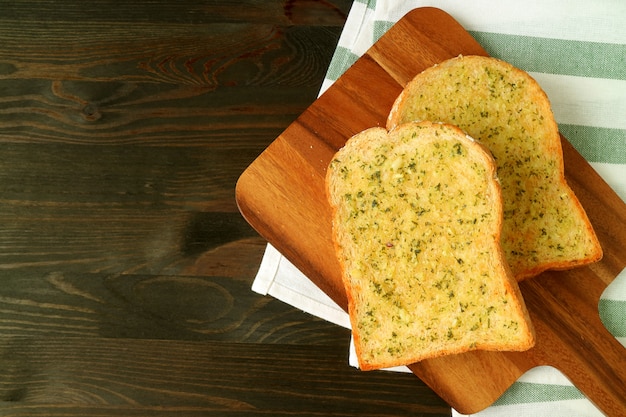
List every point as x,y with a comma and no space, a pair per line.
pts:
545,226
417,216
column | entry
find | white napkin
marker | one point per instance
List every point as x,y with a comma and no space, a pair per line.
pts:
576,49
281,279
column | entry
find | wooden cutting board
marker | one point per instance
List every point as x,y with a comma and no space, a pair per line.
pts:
282,196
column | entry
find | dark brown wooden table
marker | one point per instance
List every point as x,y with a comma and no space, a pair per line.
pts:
125,266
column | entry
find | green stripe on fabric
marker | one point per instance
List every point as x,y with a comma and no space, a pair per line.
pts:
371,4
613,316
524,392
597,144
555,56
380,27
342,59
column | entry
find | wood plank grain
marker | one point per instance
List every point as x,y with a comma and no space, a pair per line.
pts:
151,178
42,304
168,147
71,377
112,239
215,87
304,12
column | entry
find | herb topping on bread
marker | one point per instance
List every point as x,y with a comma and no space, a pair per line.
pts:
417,215
545,227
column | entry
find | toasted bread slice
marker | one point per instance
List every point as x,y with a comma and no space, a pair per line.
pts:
545,227
417,215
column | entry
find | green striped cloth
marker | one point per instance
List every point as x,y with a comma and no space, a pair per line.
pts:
576,50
